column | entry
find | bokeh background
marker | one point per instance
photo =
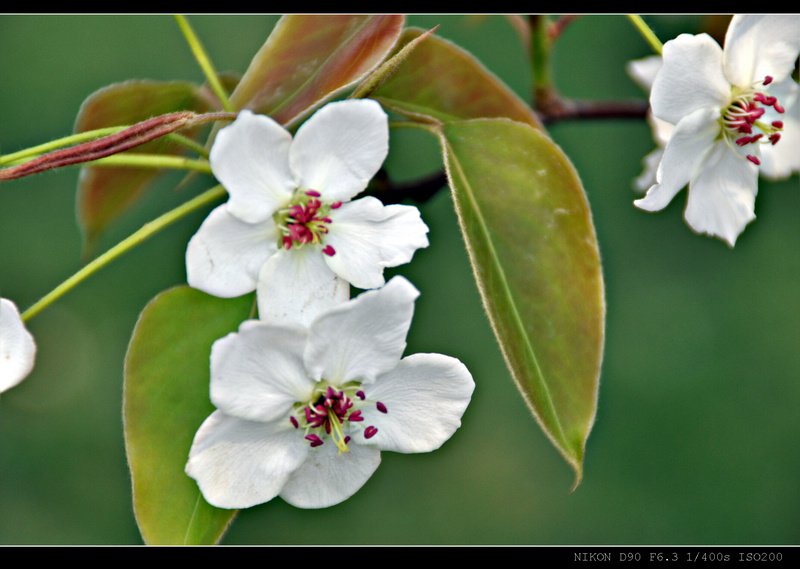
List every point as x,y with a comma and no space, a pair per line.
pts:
697,437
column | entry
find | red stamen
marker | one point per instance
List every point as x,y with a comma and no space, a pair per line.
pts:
774,138
313,193
754,160
369,432
315,440
381,407
767,80
329,251
777,124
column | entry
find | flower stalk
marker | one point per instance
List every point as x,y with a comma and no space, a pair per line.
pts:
115,143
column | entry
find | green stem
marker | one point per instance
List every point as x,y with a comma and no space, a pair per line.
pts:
205,63
147,231
646,32
22,156
154,161
35,151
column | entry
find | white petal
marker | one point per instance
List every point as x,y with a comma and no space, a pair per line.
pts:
364,337
783,159
683,155
648,176
250,158
761,45
17,347
296,285
425,397
239,464
368,236
722,197
257,374
691,78
226,254
643,71
327,478
340,148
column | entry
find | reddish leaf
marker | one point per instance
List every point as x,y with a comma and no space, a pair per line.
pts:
104,193
309,59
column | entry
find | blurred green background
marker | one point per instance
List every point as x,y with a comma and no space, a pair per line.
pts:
697,437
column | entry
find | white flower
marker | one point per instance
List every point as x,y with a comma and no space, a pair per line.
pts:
17,348
728,108
644,71
303,412
289,229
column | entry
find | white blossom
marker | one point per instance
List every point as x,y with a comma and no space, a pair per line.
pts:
303,412
17,347
733,110
289,228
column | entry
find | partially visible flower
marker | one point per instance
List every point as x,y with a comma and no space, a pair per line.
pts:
289,228
643,72
17,348
729,111
303,412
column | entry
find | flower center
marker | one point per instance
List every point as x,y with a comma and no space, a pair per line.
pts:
744,115
331,413
305,220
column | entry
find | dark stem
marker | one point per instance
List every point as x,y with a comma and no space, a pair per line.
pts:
420,190
558,109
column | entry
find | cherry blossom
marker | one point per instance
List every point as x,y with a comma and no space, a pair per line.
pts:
304,412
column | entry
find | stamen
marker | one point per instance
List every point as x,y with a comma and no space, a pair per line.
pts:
315,440
381,407
370,432
754,160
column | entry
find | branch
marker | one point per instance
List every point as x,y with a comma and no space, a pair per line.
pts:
420,190
557,109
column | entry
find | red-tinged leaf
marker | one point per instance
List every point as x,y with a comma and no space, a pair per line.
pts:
167,374
440,82
308,59
104,193
529,233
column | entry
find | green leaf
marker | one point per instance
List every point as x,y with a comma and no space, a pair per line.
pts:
440,82
166,400
104,193
308,59
529,233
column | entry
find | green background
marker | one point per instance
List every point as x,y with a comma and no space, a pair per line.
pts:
697,436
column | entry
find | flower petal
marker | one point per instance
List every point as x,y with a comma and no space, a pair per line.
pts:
368,236
691,78
296,285
643,71
783,159
340,148
761,45
239,464
226,254
362,338
327,478
683,154
17,347
257,373
425,397
250,158
722,196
